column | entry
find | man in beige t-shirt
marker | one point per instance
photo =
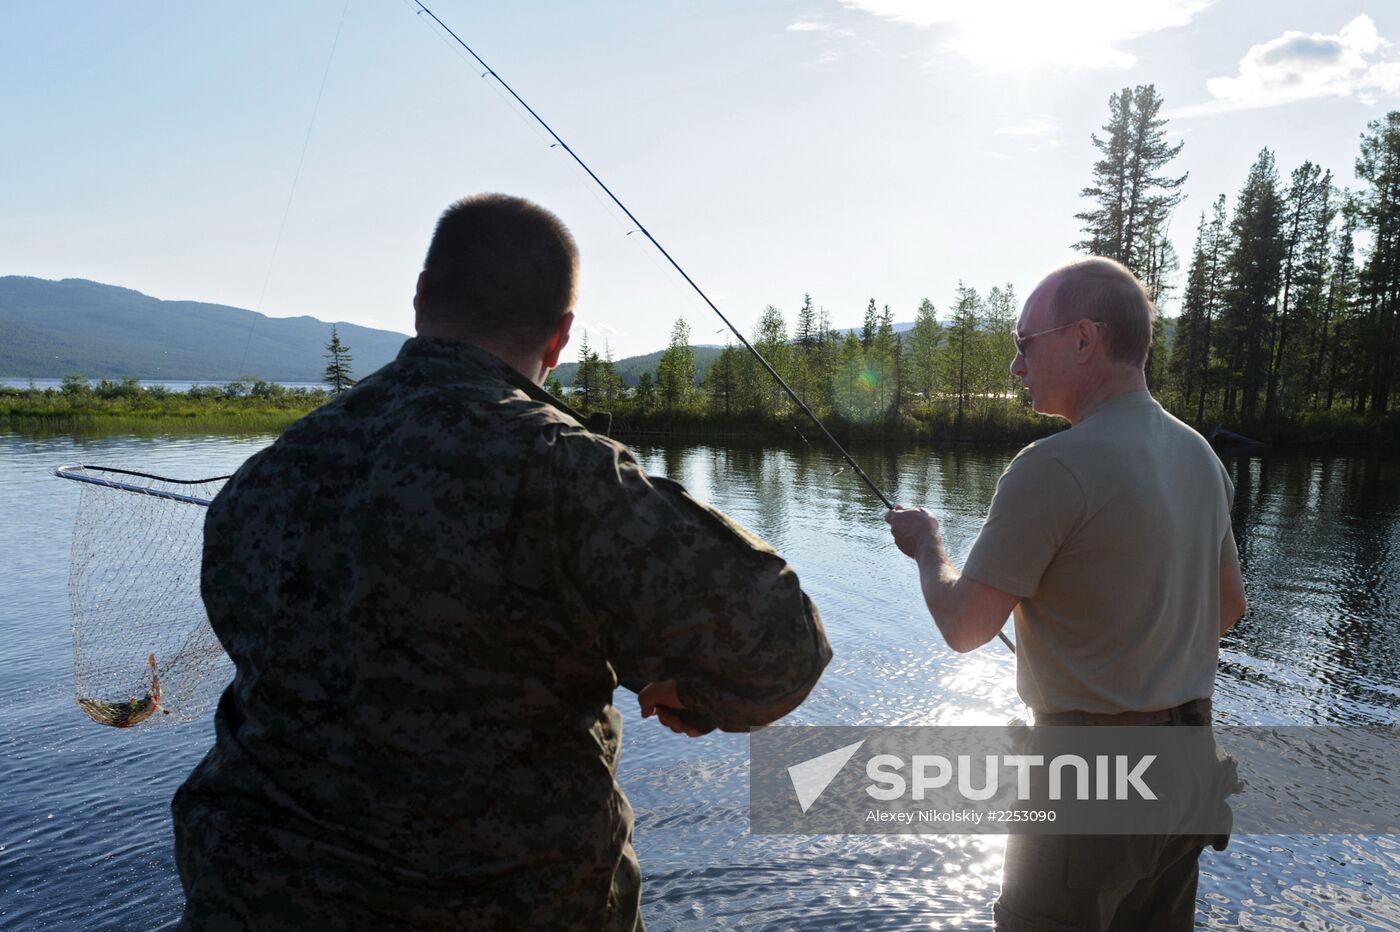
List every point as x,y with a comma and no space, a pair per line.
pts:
1111,542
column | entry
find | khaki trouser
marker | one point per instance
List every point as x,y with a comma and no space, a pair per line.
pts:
1105,883
1099,883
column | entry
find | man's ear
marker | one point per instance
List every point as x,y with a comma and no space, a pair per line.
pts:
418,302
558,339
1088,333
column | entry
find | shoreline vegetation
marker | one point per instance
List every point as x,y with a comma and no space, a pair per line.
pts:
126,406
254,406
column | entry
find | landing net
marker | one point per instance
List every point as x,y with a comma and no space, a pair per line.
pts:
143,650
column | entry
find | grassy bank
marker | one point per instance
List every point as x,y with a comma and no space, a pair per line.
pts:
128,407
264,407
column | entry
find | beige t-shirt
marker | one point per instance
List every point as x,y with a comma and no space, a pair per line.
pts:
1113,533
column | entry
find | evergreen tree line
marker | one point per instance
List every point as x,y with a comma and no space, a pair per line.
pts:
1284,311
951,373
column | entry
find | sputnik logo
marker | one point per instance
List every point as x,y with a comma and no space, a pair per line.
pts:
811,777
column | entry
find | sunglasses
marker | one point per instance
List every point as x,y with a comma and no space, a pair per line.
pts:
1021,342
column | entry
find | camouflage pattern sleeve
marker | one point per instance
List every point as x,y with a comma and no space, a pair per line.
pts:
685,593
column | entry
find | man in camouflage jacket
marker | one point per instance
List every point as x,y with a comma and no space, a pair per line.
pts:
430,588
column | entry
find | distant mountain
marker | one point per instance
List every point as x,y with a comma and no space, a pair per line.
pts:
896,327
632,367
51,329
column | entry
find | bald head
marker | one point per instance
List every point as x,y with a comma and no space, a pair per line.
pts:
1103,290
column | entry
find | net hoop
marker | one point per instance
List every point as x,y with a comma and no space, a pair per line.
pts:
83,473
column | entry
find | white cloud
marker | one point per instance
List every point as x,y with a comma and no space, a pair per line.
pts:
1023,34
1355,62
592,327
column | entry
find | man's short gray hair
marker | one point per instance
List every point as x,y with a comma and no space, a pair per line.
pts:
1104,290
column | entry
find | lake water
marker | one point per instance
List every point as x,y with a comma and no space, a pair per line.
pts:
85,837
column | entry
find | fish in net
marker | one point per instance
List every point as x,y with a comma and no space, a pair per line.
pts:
143,650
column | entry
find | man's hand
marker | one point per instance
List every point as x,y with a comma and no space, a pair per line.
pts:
662,700
913,528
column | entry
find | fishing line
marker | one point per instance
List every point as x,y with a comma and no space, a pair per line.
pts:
296,176
640,228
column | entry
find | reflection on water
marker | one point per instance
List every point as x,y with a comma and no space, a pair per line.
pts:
1318,545
84,826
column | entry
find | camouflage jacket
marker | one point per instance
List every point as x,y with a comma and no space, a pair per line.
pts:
430,587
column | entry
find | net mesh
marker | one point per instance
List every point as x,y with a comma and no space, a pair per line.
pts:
143,651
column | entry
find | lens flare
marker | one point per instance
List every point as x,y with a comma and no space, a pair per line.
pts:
864,391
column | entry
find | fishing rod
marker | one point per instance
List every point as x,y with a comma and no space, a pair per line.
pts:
802,405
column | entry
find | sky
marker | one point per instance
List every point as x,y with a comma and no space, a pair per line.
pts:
850,149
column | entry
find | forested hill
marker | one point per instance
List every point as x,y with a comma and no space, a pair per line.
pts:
631,368
50,329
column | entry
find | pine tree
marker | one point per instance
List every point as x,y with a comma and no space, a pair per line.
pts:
1192,325
1254,269
675,371
807,332
807,339
960,349
586,387
610,384
771,341
1217,249
882,361
870,324
1133,195
924,341
645,397
1000,322
850,389
1306,218
824,358
899,377
1336,349
1379,213
1162,263
338,359
720,382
